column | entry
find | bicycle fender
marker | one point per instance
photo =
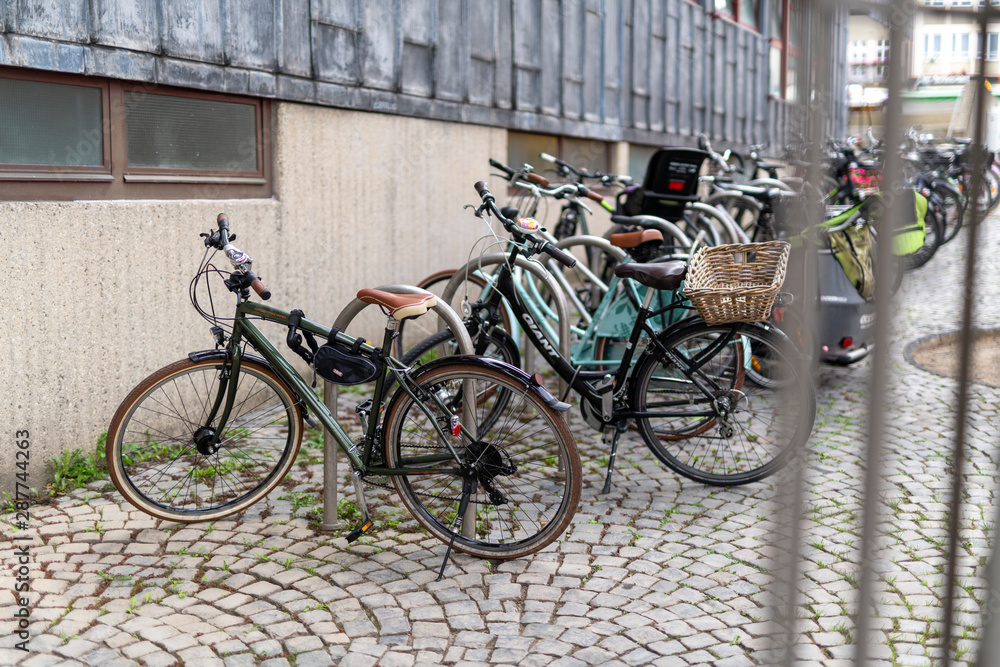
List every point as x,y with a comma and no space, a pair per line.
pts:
530,382
203,355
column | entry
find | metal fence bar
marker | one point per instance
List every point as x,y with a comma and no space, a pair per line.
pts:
879,379
965,350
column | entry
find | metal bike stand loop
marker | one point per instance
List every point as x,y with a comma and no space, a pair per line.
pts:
347,315
562,310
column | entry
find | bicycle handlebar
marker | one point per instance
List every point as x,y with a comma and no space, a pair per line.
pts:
240,260
561,256
489,202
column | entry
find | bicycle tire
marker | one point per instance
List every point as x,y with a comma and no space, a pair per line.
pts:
933,235
701,438
153,458
529,458
953,207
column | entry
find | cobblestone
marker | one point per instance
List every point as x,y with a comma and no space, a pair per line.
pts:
662,571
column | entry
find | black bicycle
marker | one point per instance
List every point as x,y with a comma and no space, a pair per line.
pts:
723,404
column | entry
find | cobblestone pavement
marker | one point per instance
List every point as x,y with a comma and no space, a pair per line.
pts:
663,571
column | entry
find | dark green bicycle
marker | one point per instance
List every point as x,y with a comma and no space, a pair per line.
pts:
476,449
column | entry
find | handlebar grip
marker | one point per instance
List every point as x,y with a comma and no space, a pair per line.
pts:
258,287
502,167
561,256
596,197
548,158
223,222
537,180
483,190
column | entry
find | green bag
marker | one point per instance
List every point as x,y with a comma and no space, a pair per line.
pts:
853,248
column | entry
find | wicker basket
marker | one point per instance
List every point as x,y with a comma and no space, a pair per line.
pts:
737,282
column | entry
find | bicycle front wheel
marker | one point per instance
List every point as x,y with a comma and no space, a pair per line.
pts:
527,464
755,406
158,442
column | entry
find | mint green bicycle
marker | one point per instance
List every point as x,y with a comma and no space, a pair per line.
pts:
476,449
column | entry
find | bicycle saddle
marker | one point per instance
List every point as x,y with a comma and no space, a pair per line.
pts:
400,306
661,276
634,239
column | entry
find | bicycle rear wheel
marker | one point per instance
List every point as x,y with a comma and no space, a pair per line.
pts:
153,451
527,463
758,409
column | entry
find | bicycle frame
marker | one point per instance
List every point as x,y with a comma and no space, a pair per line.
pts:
245,329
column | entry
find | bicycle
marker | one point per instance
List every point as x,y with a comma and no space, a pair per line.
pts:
477,451
723,404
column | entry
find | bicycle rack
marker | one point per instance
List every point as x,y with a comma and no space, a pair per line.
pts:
562,310
330,395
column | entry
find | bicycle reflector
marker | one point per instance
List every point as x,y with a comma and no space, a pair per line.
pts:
675,185
846,342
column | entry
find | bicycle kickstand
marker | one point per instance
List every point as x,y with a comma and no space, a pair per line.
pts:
620,428
469,486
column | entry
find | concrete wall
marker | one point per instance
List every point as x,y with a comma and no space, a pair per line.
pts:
97,292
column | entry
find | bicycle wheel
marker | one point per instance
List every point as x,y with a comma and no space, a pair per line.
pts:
443,344
933,235
153,442
738,431
528,467
952,209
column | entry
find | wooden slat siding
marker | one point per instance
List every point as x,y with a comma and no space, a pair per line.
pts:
248,39
628,71
131,25
685,70
641,37
336,38
451,61
193,29
613,70
380,37
419,36
671,91
593,61
651,71
294,48
64,20
702,72
504,93
562,58
527,57
482,39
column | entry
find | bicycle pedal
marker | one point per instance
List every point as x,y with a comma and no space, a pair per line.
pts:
360,530
310,420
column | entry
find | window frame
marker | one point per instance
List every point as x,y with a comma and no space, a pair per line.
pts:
561,140
736,15
783,43
116,179
46,172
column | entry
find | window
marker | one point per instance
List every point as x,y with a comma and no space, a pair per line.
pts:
932,48
74,137
960,46
882,51
785,53
992,46
524,148
745,12
856,52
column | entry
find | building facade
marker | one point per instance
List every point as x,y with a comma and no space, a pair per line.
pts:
342,137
